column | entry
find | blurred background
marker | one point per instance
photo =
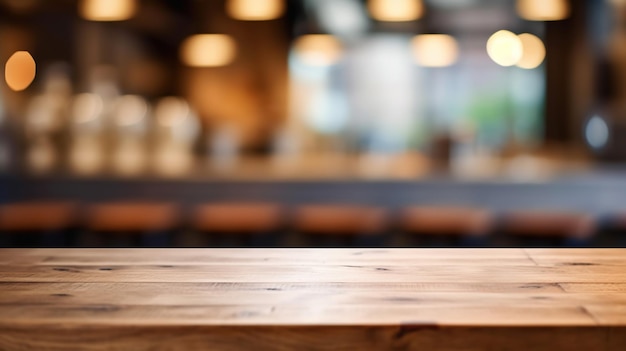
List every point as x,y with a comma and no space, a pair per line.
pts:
430,123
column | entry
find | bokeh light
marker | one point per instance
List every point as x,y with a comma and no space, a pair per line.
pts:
395,10
171,111
208,50
596,132
543,10
20,70
87,107
255,10
534,52
129,157
318,49
107,10
42,156
505,48
435,50
87,155
131,110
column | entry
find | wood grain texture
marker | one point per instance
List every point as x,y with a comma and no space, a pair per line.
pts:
312,299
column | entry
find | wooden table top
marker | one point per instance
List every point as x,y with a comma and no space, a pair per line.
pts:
310,299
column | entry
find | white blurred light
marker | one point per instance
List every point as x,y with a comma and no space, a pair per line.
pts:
208,50
107,10
505,48
328,113
395,10
435,50
543,10
20,70
255,10
534,52
597,132
318,49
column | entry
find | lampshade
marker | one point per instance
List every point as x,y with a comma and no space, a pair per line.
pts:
255,10
395,10
318,49
543,10
208,50
107,10
435,50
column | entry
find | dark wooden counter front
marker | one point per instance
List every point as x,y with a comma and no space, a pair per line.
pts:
312,299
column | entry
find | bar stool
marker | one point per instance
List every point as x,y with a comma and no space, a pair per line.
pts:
446,226
341,225
38,223
239,224
548,228
147,224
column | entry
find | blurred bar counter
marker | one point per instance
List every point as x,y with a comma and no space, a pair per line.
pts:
263,202
518,182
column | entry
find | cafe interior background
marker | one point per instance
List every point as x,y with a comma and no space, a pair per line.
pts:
305,123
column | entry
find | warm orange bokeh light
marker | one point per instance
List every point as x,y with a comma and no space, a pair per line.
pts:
20,70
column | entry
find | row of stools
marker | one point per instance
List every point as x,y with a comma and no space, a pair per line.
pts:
149,224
